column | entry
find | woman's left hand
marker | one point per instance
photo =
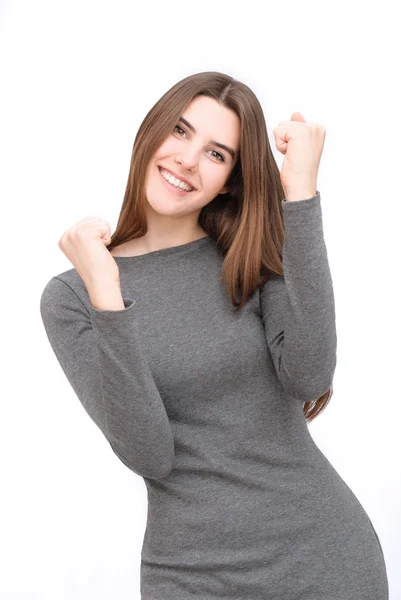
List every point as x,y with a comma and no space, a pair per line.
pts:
302,144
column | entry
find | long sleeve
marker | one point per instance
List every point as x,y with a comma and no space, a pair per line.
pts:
100,354
298,309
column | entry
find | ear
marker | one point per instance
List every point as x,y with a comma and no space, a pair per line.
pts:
224,190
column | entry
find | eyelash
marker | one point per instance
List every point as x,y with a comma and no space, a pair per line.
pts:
182,129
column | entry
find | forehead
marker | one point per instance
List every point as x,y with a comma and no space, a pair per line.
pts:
213,120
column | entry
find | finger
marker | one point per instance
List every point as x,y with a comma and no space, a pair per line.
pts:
103,228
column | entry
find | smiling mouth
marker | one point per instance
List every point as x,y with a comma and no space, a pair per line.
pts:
176,186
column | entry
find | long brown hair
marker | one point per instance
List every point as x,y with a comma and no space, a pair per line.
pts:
247,221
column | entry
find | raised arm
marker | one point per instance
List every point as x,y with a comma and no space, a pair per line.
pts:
298,309
100,353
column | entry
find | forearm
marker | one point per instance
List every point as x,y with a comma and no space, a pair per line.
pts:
136,421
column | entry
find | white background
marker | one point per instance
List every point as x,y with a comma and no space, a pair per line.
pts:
77,79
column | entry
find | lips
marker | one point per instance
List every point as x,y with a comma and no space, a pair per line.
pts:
177,176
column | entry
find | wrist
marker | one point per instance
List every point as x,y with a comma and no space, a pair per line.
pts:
300,194
105,295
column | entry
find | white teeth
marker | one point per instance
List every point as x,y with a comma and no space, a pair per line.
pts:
175,181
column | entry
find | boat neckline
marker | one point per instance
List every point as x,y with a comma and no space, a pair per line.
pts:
167,251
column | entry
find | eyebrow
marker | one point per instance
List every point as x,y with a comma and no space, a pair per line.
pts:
228,149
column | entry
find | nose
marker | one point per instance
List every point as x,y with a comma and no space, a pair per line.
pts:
188,159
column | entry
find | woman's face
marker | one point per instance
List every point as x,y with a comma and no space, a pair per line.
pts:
195,157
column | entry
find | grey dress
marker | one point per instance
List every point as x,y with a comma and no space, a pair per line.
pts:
206,404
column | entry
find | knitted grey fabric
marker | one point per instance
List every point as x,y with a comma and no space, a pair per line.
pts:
206,404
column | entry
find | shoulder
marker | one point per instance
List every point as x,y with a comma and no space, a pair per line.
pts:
65,288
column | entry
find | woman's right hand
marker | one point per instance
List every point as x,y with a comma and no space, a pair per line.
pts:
84,244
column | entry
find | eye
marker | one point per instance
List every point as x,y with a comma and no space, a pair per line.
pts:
179,128
221,156
221,159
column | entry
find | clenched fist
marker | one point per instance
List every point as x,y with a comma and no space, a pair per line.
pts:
84,244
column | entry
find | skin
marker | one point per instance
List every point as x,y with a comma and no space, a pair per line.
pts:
173,220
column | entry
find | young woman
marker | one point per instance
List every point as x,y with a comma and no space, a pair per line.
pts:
201,339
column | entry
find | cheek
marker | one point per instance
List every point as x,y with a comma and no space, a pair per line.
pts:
168,148
214,177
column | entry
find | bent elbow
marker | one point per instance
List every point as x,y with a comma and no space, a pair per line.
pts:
309,390
156,469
